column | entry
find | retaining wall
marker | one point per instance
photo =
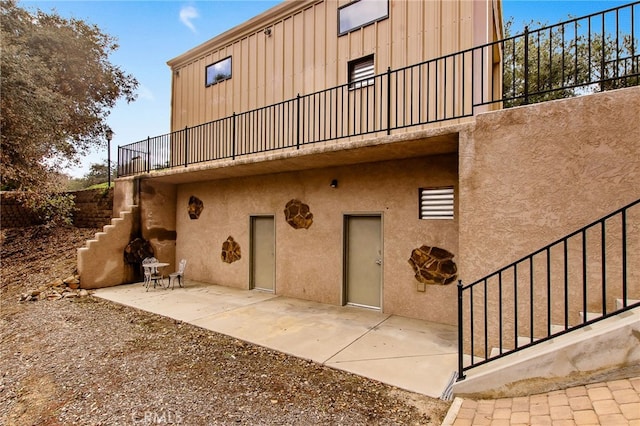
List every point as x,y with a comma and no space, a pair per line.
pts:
94,208
13,213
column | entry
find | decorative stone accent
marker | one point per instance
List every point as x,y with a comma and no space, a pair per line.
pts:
195,207
230,251
137,250
297,214
433,265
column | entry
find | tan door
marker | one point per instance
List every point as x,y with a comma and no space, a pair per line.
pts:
363,263
262,253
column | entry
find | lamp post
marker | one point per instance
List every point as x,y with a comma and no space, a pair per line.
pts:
109,134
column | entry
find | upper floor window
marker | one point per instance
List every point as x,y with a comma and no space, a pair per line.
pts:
361,13
217,72
361,72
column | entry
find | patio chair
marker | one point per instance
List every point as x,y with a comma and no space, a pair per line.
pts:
151,274
178,274
146,270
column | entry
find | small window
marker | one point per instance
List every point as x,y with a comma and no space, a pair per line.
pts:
220,71
361,13
436,203
361,72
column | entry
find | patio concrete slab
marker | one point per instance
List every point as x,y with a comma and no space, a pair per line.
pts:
186,304
407,353
296,327
420,355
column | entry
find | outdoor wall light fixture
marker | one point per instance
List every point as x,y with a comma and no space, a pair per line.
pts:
267,32
334,183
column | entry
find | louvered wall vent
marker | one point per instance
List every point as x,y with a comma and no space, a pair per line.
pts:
436,203
361,72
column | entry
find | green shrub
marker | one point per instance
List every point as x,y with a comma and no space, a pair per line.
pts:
53,209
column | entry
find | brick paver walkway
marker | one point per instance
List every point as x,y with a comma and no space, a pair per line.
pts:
610,403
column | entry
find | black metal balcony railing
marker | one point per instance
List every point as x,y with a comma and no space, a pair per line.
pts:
593,53
573,282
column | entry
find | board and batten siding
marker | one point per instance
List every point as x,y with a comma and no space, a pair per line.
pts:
304,54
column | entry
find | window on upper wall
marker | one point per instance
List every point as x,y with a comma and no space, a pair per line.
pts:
361,72
361,13
436,203
217,72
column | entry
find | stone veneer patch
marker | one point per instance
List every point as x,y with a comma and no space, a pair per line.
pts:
230,251
433,265
297,214
195,207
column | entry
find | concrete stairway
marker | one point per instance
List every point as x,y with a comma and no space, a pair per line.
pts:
557,328
101,261
605,350
619,305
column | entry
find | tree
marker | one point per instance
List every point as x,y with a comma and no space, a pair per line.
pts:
57,87
564,61
98,173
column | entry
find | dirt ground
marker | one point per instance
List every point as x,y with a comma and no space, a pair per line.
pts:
83,361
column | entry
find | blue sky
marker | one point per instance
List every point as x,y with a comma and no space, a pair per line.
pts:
153,31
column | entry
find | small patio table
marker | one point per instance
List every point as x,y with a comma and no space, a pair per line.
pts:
154,267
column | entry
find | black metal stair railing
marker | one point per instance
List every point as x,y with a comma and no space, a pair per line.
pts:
584,277
593,53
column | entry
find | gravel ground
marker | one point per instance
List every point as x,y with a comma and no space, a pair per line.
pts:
84,361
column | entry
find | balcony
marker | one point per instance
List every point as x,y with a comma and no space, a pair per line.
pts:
589,54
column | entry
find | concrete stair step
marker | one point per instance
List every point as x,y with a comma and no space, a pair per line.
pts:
557,328
113,236
90,243
522,341
590,316
619,304
558,359
122,216
525,340
106,229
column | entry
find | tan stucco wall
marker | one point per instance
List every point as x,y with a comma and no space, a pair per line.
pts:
101,262
527,176
531,175
125,194
158,220
309,262
142,208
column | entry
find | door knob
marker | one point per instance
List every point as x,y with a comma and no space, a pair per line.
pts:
378,261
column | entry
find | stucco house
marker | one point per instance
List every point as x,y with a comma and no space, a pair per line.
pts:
359,153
